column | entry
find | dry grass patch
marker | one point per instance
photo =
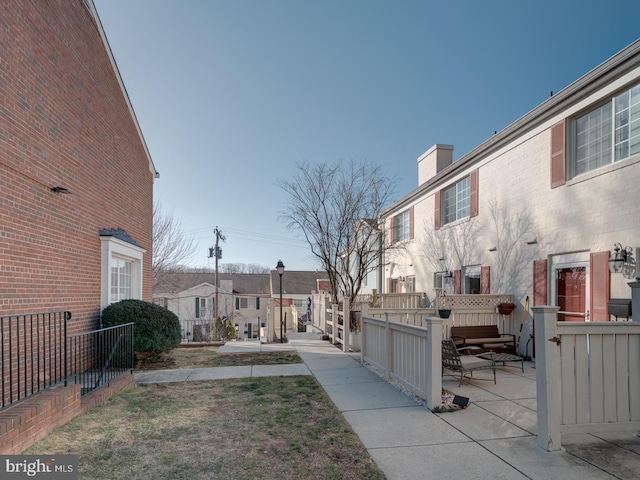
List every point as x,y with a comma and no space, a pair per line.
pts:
200,357
267,428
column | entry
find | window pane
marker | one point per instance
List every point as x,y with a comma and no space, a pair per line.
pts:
456,201
401,226
593,139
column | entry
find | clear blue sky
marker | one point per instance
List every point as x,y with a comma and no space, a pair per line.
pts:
230,94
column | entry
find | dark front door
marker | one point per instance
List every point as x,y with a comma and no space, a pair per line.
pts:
571,294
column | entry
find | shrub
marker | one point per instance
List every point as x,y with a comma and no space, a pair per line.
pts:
156,329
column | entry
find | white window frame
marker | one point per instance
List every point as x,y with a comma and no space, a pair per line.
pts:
121,279
444,281
602,143
456,201
469,273
410,285
113,248
402,226
249,302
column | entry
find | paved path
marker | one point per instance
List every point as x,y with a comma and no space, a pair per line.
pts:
493,438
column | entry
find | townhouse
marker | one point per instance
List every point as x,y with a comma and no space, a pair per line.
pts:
538,210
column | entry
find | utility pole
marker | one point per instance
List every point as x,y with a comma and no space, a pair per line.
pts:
217,253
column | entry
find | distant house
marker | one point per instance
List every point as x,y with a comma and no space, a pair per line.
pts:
538,209
247,300
76,175
242,298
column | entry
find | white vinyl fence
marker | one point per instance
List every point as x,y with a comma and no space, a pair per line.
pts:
409,355
588,377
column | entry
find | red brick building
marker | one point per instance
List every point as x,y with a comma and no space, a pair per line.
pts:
66,125
76,202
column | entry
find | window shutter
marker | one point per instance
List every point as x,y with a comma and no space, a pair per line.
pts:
539,282
600,286
411,230
197,307
436,212
485,280
457,282
237,303
257,303
473,194
558,154
389,285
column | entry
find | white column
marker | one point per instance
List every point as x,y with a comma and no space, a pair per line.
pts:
346,323
434,362
334,320
364,311
548,382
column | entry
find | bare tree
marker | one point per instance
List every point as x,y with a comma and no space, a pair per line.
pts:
452,248
172,249
336,207
243,268
505,229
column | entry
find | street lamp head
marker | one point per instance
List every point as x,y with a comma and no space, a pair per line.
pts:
280,267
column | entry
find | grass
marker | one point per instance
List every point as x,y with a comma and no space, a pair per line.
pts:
269,428
200,357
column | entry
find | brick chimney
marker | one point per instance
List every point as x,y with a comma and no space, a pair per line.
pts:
433,161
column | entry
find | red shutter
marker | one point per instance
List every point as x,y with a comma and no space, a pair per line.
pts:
485,280
457,281
436,214
411,230
473,194
540,282
389,285
600,286
558,154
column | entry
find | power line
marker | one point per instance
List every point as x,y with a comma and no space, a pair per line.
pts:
245,234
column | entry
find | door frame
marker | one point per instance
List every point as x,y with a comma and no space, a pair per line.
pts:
571,260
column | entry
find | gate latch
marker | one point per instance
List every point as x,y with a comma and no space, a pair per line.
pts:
555,339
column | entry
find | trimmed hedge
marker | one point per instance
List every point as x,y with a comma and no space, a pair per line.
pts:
156,329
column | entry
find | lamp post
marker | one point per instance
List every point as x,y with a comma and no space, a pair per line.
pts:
280,270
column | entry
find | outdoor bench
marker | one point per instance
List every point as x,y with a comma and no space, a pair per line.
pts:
483,338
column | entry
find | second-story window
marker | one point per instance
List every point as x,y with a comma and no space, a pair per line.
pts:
608,133
456,201
402,226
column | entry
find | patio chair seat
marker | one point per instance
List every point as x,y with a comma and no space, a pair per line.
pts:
453,360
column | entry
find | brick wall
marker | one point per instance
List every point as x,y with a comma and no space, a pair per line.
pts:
63,122
24,424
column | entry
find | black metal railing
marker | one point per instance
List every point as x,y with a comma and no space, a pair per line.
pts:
34,354
99,356
37,354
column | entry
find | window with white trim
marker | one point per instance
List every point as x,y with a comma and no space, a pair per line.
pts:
410,285
608,133
245,302
444,281
471,280
402,227
456,201
121,270
121,282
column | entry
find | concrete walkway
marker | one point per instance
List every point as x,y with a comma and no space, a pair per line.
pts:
493,438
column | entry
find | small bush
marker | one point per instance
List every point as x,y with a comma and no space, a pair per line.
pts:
156,329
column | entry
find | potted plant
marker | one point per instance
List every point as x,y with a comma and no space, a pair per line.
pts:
444,310
505,308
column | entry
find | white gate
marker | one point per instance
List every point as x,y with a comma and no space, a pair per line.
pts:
588,376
